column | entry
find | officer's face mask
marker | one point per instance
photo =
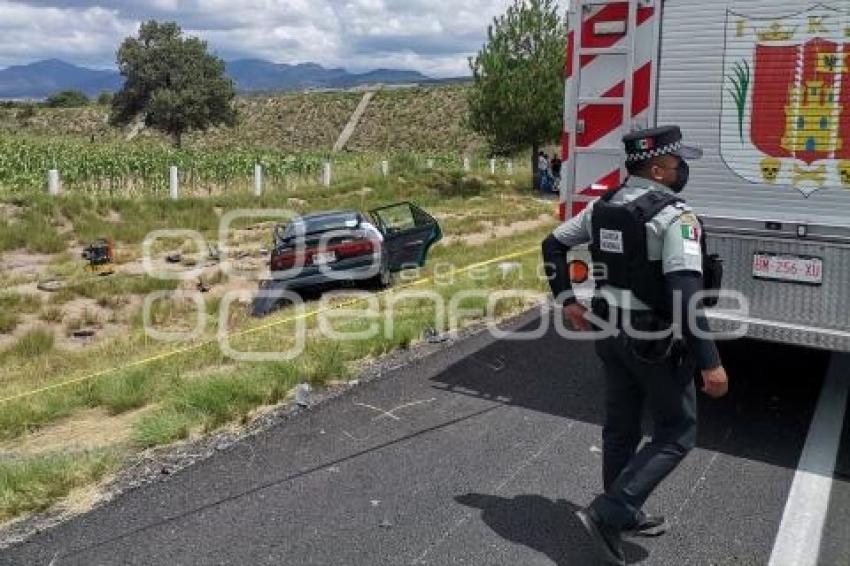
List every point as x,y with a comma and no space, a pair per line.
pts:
682,174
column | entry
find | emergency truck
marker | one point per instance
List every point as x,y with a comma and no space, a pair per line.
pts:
763,86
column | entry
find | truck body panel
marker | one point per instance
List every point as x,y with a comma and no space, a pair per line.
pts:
763,86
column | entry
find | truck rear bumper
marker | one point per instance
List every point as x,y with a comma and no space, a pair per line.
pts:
782,332
815,315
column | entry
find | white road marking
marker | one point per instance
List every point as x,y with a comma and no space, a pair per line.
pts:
391,413
382,412
700,481
798,540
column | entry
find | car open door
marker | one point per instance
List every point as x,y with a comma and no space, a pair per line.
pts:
409,232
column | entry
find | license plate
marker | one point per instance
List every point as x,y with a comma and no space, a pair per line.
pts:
324,258
793,268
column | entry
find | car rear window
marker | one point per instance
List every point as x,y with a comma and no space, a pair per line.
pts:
324,223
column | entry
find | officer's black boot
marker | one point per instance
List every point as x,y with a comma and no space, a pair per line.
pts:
606,539
647,526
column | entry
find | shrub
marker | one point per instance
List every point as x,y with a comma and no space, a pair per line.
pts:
67,99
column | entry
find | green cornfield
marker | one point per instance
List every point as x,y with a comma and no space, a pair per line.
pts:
117,168
134,169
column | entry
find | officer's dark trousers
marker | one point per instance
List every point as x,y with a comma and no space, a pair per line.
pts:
669,393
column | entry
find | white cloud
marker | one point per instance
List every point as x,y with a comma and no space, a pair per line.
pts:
90,35
434,37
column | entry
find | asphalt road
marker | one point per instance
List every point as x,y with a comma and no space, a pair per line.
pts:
474,456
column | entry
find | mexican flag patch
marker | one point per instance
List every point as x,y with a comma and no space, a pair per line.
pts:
690,232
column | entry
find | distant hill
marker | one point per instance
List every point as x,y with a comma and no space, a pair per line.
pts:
41,79
259,75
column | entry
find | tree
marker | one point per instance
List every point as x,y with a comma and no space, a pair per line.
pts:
67,99
517,97
173,82
104,98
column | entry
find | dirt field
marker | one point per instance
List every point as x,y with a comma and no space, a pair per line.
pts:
84,387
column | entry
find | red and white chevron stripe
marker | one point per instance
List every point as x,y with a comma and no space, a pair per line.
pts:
599,78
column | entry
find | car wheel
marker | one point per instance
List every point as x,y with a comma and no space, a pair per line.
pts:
382,280
264,305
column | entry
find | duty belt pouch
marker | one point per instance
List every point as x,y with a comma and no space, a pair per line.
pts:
600,308
650,351
712,271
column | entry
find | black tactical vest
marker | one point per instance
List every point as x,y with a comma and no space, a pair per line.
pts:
619,244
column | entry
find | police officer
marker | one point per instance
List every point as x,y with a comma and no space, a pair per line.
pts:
649,242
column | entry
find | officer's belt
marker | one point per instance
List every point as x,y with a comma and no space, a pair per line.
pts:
645,320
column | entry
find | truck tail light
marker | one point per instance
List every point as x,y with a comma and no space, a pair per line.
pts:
579,271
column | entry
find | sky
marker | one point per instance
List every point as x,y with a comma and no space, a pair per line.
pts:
434,37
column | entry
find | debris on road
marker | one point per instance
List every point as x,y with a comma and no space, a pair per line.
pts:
51,285
100,257
507,267
84,333
432,336
302,394
213,252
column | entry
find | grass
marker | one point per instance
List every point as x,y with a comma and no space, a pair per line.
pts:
419,119
52,314
31,231
211,401
12,305
105,289
33,484
422,119
21,302
61,297
35,343
162,427
123,392
87,319
9,321
201,390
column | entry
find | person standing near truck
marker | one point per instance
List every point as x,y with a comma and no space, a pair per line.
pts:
555,167
649,240
542,170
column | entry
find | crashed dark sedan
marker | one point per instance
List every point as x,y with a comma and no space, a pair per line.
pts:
343,247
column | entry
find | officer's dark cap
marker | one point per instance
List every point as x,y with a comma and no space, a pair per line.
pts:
654,142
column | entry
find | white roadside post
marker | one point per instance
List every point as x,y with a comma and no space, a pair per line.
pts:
53,182
510,167
172,182
258,179
466,166
326,174
430,164
385,167
492,166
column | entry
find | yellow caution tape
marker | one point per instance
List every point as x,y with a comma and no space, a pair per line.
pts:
272,324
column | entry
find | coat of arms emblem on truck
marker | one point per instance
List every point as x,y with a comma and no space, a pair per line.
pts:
785,118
